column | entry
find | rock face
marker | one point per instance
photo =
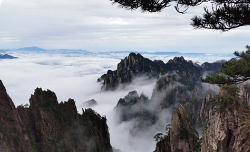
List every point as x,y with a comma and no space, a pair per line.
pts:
225,131
12,135
182,137
214,67
50,126
136,108
89,103
169,92
227,125
245,92
135,65
172,89
131,66
205,110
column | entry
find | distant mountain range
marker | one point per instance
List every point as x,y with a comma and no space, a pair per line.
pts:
37,49
6,56
80,51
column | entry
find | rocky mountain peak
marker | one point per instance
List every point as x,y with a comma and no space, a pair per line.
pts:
50,126
136,65
177,60
5,100
181,137
42,97
2,88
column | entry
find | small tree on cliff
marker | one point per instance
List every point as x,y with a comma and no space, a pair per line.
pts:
158,137
233,71
224,15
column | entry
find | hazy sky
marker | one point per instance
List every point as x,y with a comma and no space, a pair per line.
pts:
97,25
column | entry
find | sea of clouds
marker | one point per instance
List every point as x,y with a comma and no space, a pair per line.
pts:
75,76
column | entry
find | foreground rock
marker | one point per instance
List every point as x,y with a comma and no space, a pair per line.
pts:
50,126
228,128
181,137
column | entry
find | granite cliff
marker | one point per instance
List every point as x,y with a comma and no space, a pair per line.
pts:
181,136
227,121
228,124
137,108
47,125
224,130
177,83
136,65
169,92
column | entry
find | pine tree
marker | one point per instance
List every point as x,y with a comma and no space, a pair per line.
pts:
233,71
224,14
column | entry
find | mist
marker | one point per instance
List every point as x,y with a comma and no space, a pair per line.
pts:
75,76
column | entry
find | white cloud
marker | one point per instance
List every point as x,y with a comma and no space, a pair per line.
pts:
76,77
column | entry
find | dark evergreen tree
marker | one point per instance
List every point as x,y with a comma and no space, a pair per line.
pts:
233,71
224,14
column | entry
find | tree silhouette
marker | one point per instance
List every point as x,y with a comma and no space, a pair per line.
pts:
224,14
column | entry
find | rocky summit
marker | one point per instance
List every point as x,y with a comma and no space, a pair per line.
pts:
47,125
181,136
221,118
136,65
181,85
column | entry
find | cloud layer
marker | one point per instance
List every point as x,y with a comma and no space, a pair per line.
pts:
75,76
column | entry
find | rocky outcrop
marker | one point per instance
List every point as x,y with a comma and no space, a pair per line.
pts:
182,137
225,131
169,92
136,108
213,67
135,65
12,135
47,125
245,91
131,66
89,103
205,110
185,69
171,89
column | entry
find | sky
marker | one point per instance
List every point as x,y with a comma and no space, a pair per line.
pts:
98,26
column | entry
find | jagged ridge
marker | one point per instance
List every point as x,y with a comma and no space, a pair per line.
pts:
50,126
135,65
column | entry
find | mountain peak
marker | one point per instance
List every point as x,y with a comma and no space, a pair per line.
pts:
177,59
33,48
2,88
